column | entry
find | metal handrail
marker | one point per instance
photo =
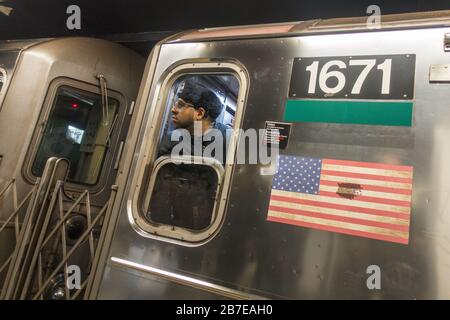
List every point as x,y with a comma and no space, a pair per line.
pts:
37,273
41,241
86,234
17,207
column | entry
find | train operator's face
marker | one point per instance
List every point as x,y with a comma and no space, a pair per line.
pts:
183,114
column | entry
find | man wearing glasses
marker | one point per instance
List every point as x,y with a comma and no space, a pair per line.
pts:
194,114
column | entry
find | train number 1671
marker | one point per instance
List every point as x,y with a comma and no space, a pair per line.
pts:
367,77
325,74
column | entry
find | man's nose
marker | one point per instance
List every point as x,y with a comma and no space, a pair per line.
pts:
174,109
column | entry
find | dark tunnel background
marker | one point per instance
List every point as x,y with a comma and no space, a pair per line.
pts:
122,20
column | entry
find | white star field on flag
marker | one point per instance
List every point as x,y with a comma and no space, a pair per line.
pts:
298,174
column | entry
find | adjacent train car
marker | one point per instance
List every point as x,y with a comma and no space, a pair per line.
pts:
357,205
65,108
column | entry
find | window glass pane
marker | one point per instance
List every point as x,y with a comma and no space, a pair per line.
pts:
184,195
216,95
78,129
199,116
2,79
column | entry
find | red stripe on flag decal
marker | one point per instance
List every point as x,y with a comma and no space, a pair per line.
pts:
393,202
342,207
367,165
370,188
365,234
370,223
365,176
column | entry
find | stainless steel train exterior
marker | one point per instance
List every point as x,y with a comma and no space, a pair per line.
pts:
243,253
66,98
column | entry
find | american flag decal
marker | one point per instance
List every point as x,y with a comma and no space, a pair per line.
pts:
364,199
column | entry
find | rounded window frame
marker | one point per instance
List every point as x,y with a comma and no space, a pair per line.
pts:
44,114
141,188
4,86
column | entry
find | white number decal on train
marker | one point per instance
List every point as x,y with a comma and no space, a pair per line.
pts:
368,63
324,75
386,68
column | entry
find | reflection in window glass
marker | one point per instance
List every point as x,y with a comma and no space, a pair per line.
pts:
184,195
2,79
77,130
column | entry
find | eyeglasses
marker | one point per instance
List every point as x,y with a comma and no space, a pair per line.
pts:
180,104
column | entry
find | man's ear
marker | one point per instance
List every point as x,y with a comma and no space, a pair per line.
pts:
200,113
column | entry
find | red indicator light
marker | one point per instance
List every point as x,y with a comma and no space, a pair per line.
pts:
74,105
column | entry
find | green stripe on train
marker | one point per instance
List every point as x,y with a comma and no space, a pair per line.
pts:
350,112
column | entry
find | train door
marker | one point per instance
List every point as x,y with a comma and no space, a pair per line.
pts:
69,164
184,191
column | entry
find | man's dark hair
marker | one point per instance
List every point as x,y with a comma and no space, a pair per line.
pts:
199,96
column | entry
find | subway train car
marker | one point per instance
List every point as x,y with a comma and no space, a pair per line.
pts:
65,108
356,204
